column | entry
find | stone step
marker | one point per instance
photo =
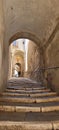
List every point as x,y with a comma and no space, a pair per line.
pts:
29,100
25,84
29,116
28,109
42,104
22,83
25,91
43,94
25,126
29,95
7,125
26,88
28,106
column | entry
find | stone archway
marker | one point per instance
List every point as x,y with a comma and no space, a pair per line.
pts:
26,35
31,36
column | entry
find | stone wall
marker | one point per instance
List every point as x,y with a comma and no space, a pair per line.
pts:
10,63
37,17
52,60
15,56
33,61
3,55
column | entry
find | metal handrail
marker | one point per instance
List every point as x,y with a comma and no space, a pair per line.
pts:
41,69
54,67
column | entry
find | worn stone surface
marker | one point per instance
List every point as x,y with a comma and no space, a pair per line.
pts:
28,113
3,56
36,17
52,60
33,61
25,126
56,126
35,20
28,126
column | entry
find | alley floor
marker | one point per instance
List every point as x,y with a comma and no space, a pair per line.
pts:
27,105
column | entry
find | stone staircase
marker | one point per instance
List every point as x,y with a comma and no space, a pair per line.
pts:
27,105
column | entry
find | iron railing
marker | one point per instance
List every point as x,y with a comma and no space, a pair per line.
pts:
43,69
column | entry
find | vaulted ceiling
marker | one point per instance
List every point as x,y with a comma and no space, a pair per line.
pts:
39,17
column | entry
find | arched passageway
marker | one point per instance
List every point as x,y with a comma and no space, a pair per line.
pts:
26,104
40,26
33,60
